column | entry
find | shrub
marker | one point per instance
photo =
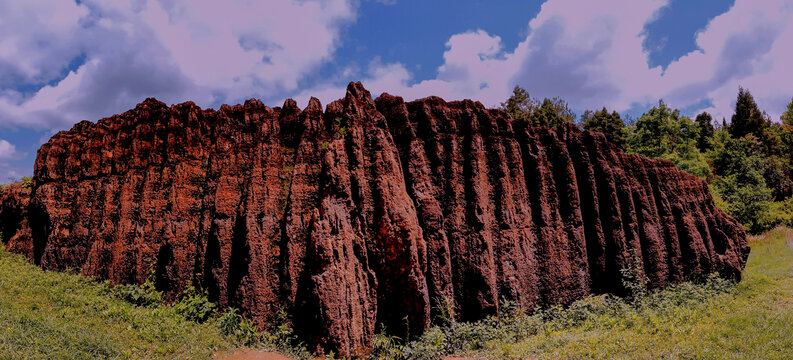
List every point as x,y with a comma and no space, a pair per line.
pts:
431,345
748,203
140,295
780,213
194,305
233,325
27,182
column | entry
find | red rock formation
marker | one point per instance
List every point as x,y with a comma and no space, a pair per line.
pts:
369,214
14,228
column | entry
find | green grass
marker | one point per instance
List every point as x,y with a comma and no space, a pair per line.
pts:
50,315
752,320
714,319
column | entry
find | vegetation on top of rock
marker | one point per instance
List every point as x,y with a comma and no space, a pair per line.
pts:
748,162
548,112
610,124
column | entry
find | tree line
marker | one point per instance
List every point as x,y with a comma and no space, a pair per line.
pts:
747,162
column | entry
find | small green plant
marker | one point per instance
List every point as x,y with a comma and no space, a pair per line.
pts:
194,305
446,313
386,347
27,182
282,337
233,325
633,278
145,294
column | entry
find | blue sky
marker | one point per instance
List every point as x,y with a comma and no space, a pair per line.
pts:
63,61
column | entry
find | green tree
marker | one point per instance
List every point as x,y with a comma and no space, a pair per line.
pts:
552,113
747,118
776,159
549,113
742,184
610,125
688,158
663,133
705,125
787,116
520,105
656,132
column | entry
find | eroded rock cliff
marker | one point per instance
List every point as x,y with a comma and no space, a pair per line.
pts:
369,213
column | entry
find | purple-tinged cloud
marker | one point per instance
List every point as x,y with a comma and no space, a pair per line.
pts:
176,50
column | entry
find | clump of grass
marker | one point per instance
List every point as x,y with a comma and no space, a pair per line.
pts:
710,318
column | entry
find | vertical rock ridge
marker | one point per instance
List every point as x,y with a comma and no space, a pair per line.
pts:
372,215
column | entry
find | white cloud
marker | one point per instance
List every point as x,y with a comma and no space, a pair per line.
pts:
591,54
175,50
747,46
7,150
36,42
475,66
585,52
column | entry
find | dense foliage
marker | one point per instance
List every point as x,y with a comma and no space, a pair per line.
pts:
610,124
748,162
548,112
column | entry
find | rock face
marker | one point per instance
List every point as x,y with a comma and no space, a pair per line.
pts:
372,214
14,227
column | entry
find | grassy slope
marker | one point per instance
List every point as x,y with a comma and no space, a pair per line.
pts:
752,321
58,315
51,315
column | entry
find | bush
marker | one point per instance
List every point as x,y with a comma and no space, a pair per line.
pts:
748,203
233,325
431,345
194,305
780,213
27,182
141,295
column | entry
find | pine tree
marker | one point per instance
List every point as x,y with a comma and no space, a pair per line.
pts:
610,125
552,113
747,118
704,122
520,105
787,116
